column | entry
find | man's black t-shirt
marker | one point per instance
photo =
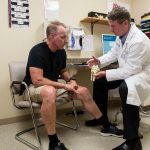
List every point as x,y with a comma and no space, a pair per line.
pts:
50,62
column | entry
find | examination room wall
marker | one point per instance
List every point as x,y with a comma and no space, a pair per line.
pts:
140,7
14,45
16,42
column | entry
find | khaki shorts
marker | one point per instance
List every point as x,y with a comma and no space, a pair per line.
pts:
36,96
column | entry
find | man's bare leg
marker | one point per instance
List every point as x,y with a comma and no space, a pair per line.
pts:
48,109
48,113
84,95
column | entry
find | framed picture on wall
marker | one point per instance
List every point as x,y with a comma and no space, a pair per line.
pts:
18,13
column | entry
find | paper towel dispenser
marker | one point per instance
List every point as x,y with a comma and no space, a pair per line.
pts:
75,38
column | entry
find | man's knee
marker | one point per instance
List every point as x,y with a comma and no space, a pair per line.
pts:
83,90
100,82
123,87
48,93
123,91
84,94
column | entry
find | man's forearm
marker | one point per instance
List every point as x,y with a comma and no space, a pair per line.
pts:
66,76
45,81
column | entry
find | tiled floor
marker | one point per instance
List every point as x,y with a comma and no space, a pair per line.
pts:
86,138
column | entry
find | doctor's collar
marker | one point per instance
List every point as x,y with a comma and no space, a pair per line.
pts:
125,33
124,37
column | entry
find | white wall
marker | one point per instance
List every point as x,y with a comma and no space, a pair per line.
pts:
140,7
71,12
15,43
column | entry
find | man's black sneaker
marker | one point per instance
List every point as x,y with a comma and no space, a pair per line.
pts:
59,146
112,131
92,123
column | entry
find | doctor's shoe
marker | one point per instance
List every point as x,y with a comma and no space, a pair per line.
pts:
92,123
59,146
112,130
97,122
130,145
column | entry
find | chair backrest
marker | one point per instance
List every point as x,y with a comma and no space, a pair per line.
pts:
17,70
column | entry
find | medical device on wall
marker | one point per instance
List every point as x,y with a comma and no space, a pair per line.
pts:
75,38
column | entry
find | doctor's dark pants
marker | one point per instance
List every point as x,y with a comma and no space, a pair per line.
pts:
130,112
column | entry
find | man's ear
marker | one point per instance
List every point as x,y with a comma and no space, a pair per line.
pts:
126,22
50,37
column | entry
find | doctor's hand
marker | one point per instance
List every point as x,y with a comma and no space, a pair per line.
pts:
93,61
100,74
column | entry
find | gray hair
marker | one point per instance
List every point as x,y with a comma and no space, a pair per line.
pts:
119,14
53,26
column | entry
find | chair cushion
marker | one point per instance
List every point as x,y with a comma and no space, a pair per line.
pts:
61,100
26,104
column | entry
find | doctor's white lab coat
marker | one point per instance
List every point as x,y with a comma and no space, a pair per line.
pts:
134,65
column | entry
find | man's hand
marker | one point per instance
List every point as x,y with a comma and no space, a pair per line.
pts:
74,84
93,61
100,74
71,86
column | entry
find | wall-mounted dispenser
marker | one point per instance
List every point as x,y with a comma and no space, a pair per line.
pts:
75,38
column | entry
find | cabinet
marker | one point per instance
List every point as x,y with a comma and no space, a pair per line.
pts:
94,20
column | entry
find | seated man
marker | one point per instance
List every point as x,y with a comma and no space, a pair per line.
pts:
46,62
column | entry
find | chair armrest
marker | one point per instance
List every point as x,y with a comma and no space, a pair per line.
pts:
16,82
15,86
15,89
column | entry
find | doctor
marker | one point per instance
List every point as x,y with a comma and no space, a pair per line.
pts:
132,51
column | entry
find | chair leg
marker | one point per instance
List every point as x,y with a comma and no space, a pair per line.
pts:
19,138
35,126
75,117
116,116
144,113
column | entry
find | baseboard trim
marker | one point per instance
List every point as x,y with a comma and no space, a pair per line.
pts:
15,119
28,116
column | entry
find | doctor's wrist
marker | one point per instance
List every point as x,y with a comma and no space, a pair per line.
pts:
104,73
